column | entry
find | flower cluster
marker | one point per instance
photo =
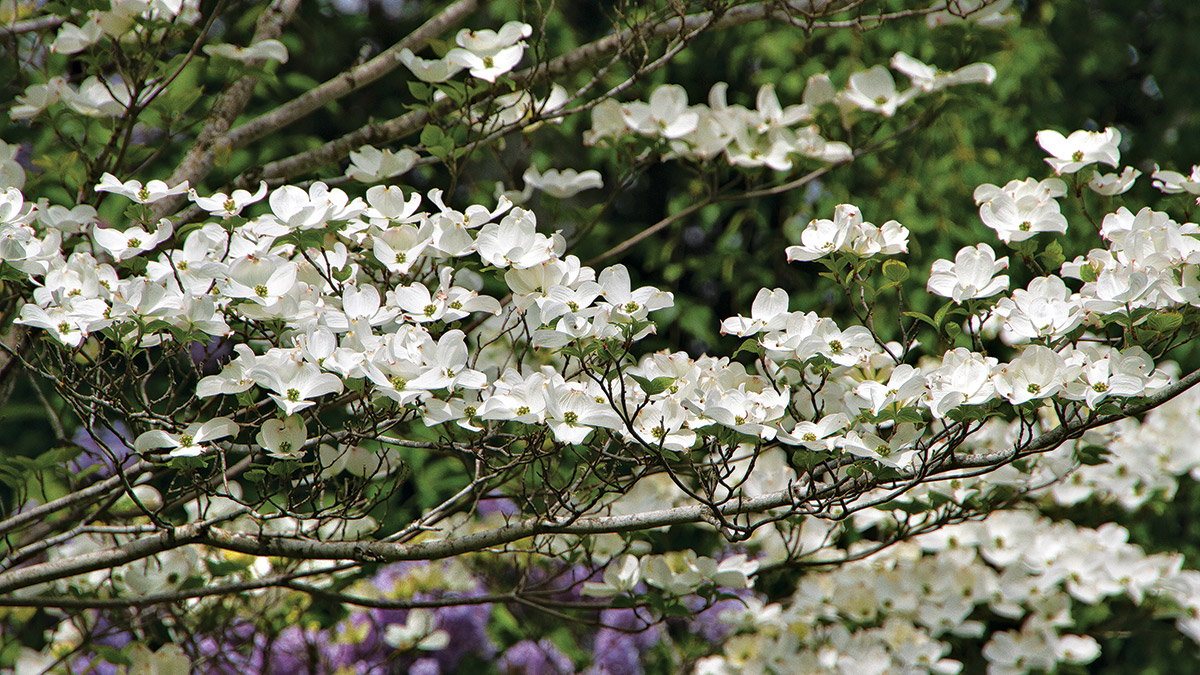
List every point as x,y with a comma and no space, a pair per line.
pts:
488,54
770,135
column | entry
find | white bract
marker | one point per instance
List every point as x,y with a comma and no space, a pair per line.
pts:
563,184
973,274
191,441
263,50
1069,154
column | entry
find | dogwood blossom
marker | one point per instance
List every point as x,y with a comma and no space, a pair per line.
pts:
563,184
192,441
369,164
971,275
133,189
269,49
1022,209
1069,154
1111,184
227,206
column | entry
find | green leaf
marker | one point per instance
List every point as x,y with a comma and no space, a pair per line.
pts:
432,135
653,387
224,568
111,654
1092,455
921,317
187,463
750,345
1166,322
895,270
419,90
1053,257
911,508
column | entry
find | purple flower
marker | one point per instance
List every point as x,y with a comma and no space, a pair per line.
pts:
296,652
628,621
498,503
467,626
619,645
100,445
535,658
425,666
706,622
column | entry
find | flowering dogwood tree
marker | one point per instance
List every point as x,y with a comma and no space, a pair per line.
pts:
361,407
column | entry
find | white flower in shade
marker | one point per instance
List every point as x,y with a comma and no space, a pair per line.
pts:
191,442
38,97
227,206
563,184
769,312
1038,372
419,631
263,49
1077,649
735,572
665,115
874,90
233,378
1110,184
489,54
429,70
928,78
14,210
66,326
142,194
971,275
12,175
989,13
1173,182
168,660
369,164
1069,154
131,242
661,424
905,384
97,98
69,221
72,39
620,576
283,439
159,573
677,573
